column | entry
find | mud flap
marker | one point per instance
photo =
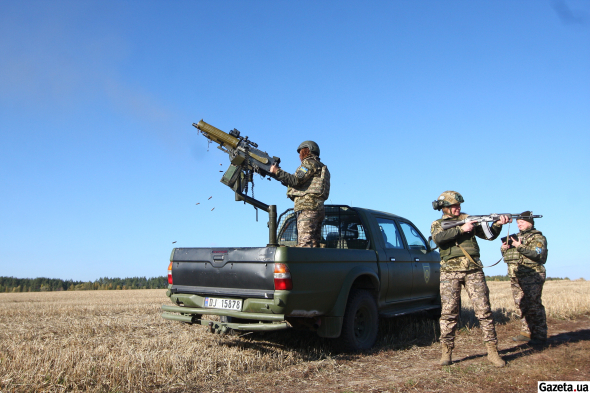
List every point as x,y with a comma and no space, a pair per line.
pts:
330,327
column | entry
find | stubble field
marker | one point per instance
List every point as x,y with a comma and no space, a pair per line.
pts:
116,341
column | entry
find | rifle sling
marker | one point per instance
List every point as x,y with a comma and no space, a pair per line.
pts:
471,259
507,237
466,254
500,260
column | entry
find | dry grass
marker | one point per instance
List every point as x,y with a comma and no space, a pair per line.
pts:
563,299
116,341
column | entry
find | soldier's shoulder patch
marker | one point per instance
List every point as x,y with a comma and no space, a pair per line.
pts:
539,244
301,171
539,250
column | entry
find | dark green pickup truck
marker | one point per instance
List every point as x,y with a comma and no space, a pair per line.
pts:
371,264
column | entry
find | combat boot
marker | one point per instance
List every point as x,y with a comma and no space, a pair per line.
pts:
522,336
447,352
493,356
538,340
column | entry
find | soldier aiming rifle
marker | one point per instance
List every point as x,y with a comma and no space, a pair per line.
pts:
460,266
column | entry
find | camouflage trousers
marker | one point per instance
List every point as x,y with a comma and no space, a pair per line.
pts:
309,227
474,282
526,292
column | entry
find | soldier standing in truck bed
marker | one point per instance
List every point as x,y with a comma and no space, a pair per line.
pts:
526,256
460,266
308,187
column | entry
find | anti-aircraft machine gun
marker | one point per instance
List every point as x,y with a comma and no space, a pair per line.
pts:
245,160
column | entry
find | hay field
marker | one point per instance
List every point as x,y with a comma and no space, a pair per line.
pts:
563,299
116,341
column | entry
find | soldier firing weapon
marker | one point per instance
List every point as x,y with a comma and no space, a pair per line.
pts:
245,160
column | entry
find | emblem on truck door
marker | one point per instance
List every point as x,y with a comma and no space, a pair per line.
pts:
426,268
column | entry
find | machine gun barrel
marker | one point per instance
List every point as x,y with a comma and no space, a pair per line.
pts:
216,135
234,143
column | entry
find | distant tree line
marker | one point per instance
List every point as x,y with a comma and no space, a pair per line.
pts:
506,278
42,284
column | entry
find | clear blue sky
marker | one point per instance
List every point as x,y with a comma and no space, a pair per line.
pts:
101,170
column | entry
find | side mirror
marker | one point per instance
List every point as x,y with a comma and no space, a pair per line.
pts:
432,244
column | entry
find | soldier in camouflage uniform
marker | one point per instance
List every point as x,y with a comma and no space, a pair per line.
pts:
525,257
308,187
460,266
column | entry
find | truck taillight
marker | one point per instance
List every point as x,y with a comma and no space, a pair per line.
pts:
282,277
170,273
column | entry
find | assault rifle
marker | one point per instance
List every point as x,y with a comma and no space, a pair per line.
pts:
245,160
483,221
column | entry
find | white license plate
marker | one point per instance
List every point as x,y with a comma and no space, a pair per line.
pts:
226,304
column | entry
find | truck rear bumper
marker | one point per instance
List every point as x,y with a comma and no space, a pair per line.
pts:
227,313
264,322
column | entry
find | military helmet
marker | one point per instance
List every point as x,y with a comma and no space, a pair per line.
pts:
311,145
446,199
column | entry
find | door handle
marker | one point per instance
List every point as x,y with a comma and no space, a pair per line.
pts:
417,259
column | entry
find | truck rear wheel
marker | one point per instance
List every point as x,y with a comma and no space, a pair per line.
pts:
360,324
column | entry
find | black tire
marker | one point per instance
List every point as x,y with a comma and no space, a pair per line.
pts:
361,322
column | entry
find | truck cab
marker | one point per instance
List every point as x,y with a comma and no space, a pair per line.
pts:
408,268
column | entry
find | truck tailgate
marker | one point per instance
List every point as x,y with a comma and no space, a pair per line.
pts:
241,272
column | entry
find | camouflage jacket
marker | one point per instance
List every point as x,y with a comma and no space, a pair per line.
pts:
303,186
446,239
528,258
